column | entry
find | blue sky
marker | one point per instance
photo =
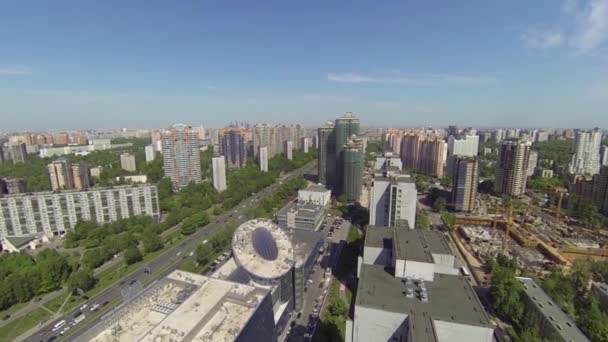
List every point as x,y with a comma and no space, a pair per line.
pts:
73,64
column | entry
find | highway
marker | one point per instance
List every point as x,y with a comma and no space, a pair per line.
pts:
164,264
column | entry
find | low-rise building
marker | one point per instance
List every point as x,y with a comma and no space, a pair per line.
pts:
316,194
547,315
301,215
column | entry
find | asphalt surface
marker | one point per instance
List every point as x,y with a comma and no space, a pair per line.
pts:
167,262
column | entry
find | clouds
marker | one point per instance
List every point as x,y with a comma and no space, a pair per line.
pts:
418,81
14,71
583,28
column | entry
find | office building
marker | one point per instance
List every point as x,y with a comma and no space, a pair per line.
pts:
548,317
532,163
181,155
352,169
187,306
586,158
18,153
467,146
233,146
604,155
316,194
511,167
327,155
392,201
127,162
219,173
465,181
288,150
53,213
265,135
64,175
301,215
345,128
11,186
150,153
424,153
410,290
263,158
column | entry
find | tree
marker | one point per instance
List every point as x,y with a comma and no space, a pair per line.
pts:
446,181
440,204
448,219
132,255
204,254
338,308
422,220
82,279
422,183
152,241
507,293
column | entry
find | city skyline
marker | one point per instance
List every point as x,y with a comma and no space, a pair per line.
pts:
427,64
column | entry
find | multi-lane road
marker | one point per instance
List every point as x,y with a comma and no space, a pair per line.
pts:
164,264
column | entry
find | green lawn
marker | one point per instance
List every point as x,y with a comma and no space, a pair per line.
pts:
14,329
12,309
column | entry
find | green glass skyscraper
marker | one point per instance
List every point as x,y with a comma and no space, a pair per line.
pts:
346,126
352,175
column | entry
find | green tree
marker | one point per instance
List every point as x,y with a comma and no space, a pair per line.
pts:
593,321
449,219
422,183
422,220
440,204
132,255
506,294
82,279
204,254
338,308
152,241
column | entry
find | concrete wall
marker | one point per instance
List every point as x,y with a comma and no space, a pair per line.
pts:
377,256
377,325
377,203
415,269
453,332
445,264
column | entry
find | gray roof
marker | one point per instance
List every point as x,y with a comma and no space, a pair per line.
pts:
451,299
564,326
377,236
419,245
316,188
304,241
309,210
19,241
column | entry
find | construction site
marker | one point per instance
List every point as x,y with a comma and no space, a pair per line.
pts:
536,239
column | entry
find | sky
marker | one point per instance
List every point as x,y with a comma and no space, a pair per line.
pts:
149,63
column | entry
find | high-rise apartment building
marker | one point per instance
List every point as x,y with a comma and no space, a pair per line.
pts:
352,169
467,146
604,155
233,146
288,150
181,155
392,201
265,135
18,153
586,158
511,167
11,186
127,162
498,135
219,173
263,158
423,153
305,144
53,213
150,153
593,191
64,174
465,179
532,163
327,154
542,136
345,128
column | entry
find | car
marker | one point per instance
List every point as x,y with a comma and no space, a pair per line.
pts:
106,302
95,306
84,306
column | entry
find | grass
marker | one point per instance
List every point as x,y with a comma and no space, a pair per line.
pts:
12,309
18,327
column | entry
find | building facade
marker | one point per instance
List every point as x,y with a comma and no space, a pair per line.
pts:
467,146
263,158
352,166
181,155
392,201
314,193
64,175
586,158
466,179
54,213
423,153
233,146
532,163
288,150
127,162
327,155
219,173
150,153
11,186
264,135
18,153
511,167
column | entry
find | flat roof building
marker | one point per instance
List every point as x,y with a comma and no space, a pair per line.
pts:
301,215
551,320
393,200
315,193
190,307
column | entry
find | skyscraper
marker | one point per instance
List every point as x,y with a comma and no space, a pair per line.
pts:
604,155
127,162
181,155
219,173
464,188
288,150
466,146
264,135
511,167
586,158
532,163
233,145
263,158
431,155
352,169
392,201
327,154
305,144
345,127
18,153
150,153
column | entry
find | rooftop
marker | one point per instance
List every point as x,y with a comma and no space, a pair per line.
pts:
450,299
316,188
408,244
307,209
19,241
182,306
263,249
545,304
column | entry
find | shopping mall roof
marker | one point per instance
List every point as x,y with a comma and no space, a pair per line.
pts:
263,249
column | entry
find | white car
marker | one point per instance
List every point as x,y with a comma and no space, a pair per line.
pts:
84,306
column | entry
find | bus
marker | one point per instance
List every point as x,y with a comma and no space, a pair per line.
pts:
58,325
465,272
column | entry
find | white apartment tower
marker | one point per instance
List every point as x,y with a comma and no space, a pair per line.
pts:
392,201
289,150
127,162
466,147
263,158
219,173
150,154
586,158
